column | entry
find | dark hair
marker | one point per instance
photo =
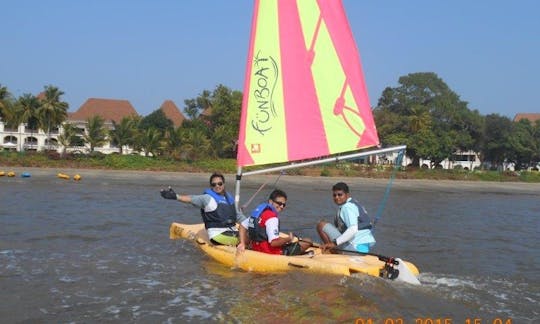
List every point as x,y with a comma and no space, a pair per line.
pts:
277,193
217,175
341,186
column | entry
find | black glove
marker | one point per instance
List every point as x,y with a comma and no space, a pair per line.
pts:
168,193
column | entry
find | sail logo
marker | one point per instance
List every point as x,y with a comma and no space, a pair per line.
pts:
264,81
255,148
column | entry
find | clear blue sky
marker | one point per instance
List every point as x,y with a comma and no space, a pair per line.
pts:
487,51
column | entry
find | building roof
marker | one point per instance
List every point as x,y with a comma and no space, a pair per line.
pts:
172,112
530,116
108,109
207,112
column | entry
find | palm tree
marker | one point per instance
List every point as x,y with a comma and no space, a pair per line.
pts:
222,140
67,136
196,144
205,100
148,140
52,112
420,118
26,109
173,142
5,102
122,134
8,111
96,134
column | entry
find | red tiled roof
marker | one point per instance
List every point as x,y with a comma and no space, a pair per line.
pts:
172,112
108,109
207,112
531,117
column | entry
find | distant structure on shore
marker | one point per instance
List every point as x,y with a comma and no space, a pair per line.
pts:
531,117
24,138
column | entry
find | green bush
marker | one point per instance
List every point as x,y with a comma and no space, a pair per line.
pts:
529,176
139,162
216,165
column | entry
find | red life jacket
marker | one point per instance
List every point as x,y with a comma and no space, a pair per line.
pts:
264,246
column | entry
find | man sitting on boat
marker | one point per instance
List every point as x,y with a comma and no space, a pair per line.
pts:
352,226
217,210
263,228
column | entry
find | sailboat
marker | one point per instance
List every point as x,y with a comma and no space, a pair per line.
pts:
305,102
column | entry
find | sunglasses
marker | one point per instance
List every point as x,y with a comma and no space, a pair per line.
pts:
213,184
339,194
279,203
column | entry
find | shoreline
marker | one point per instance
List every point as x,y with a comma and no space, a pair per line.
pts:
290,180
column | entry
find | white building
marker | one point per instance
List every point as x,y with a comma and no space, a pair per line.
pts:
468,160
26,139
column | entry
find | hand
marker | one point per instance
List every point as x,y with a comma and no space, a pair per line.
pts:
168,193
240,248
291,237
327,247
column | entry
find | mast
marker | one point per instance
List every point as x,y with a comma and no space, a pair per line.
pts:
237,189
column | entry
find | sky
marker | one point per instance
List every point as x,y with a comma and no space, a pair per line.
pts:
149,51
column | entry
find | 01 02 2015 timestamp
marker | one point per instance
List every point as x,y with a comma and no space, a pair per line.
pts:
428,320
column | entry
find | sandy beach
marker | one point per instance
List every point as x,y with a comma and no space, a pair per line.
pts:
288,180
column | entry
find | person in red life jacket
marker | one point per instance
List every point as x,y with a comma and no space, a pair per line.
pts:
217,210
263,228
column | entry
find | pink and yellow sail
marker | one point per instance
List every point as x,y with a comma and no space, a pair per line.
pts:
304,94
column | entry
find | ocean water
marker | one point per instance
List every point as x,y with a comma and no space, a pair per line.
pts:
98,251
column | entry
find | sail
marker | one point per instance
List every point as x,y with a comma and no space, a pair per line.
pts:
304,93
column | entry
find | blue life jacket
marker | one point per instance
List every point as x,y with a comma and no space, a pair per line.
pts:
225,213
364,222
257,232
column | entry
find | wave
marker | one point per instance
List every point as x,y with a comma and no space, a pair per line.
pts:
501,297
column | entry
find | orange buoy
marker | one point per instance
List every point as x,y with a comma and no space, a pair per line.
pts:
11,174
77,177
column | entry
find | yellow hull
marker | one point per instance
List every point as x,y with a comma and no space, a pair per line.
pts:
336,264
63,176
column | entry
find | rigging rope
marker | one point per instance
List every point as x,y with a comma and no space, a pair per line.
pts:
260,188
397,165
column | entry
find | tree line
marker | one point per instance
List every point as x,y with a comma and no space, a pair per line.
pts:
210,135
422,112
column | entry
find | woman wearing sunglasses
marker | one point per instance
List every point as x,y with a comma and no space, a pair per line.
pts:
263,228
217,210
352,226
